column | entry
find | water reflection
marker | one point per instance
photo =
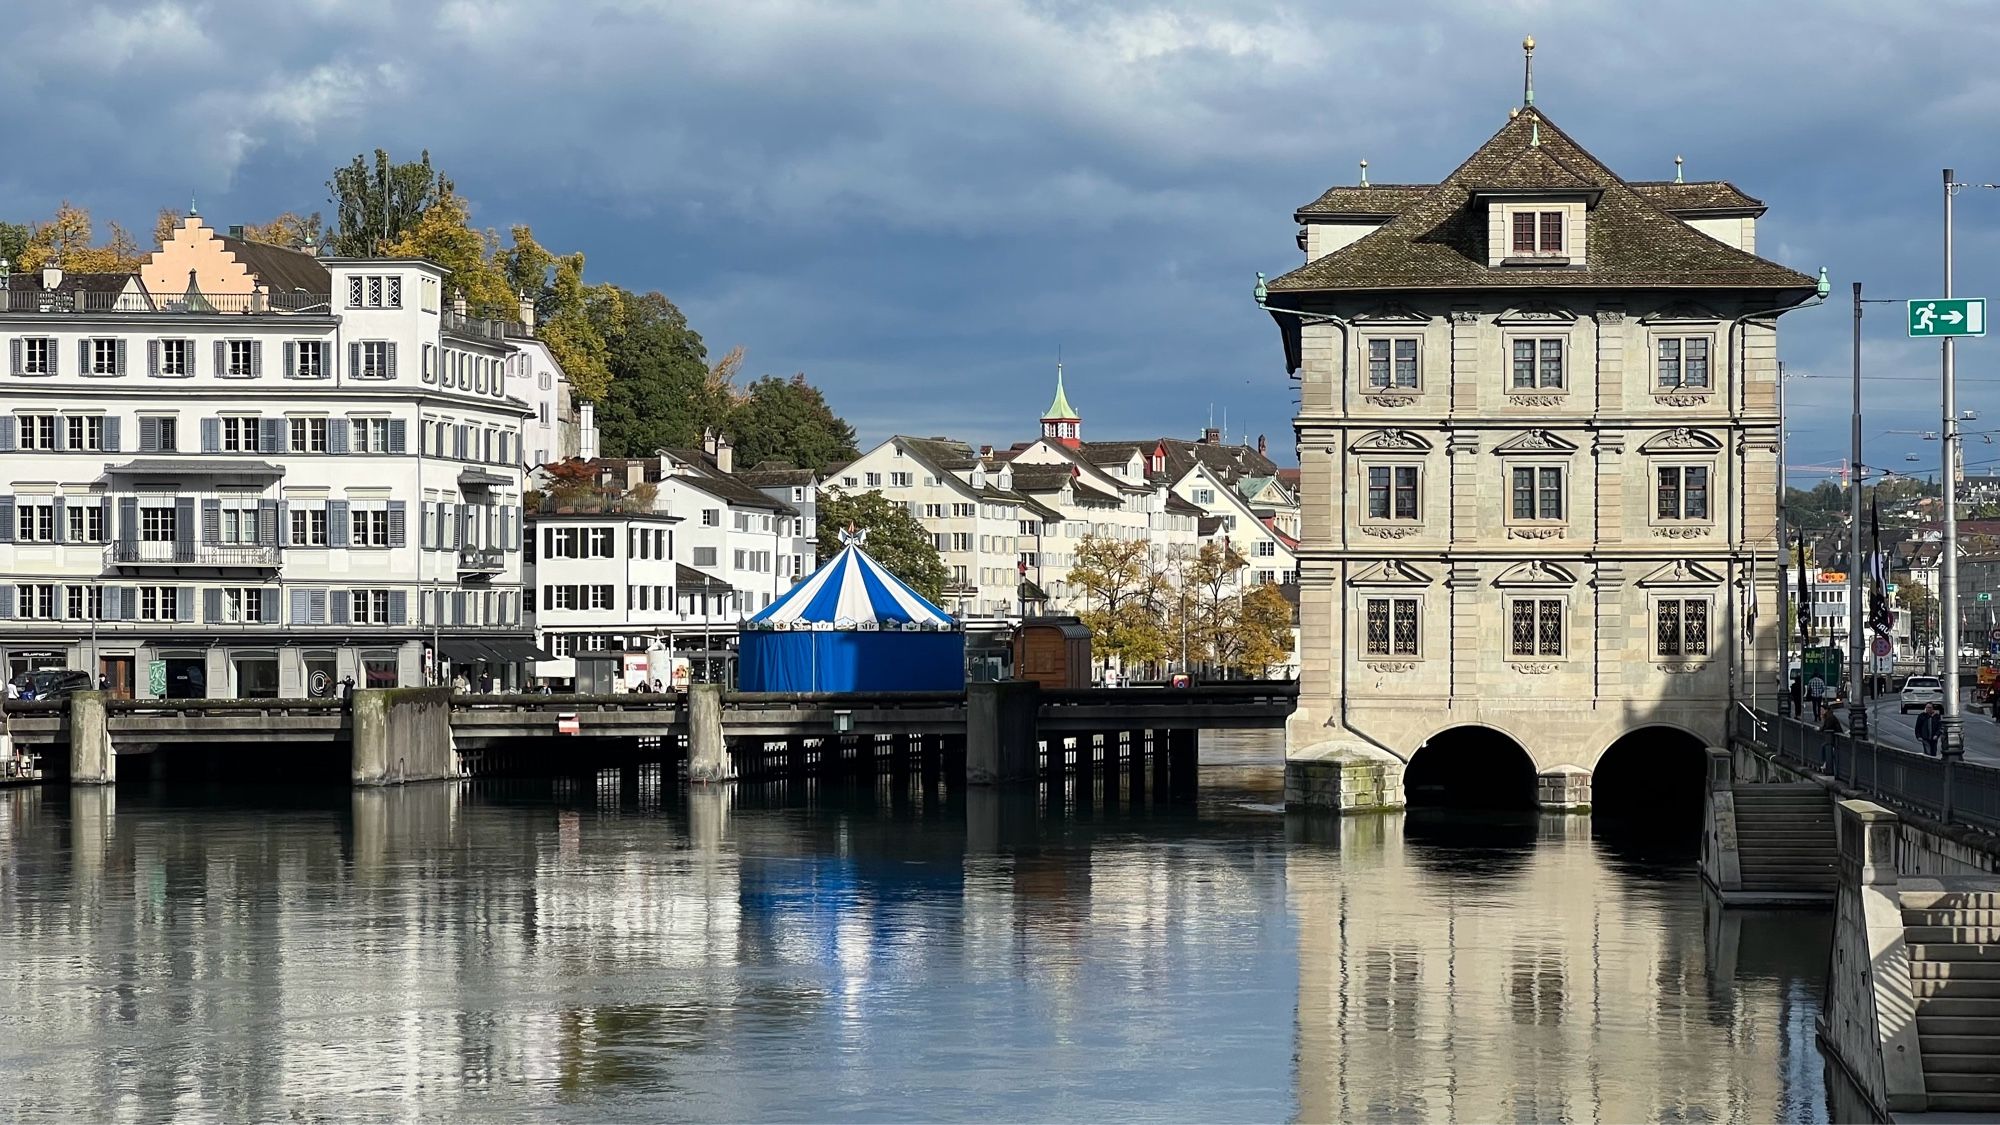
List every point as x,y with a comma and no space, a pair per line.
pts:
613,949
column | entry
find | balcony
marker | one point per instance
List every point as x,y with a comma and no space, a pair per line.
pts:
481,560
24,296
147,554
460,324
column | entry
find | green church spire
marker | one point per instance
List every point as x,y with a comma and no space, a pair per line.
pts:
1060,408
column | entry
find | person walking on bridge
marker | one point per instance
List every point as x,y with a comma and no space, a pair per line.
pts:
1798,695
1829,726
1930,725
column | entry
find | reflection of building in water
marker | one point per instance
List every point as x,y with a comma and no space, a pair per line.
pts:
1524,982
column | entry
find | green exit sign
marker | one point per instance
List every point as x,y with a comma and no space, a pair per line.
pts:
1986,597
1948,316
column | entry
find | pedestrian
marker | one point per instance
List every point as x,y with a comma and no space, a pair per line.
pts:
347,687
13,690
486,683
1829,725
103,682
1798,696
460,684
1929,725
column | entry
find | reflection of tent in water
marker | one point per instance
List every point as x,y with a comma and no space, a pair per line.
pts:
851,626
821,907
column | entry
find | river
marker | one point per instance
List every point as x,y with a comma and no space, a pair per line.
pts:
598,951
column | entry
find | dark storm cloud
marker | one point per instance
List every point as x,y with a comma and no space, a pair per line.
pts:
919,203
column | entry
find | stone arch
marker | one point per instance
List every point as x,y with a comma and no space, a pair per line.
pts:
1652,776
1471,765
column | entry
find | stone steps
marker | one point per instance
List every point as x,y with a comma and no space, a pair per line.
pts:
1956,1065
1943,1045
1954,970
1951,935
1952,951
1913,917
1983,1026
1955,988
1951,900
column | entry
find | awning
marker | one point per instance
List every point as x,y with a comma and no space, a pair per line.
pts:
515,649
464,650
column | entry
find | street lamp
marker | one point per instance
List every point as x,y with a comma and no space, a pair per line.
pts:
1954,719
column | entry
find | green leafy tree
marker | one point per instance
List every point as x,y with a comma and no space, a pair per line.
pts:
788,420
570,317
662,391
444,234
290,230
13,240
1264,630
1121,591
68,240
374,207
895,538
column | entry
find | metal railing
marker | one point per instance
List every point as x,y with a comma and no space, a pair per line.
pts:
484,560
146,553
1947,789
466,325
27,296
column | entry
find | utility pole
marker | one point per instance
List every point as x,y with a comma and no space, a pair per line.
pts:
1954,718
1857,709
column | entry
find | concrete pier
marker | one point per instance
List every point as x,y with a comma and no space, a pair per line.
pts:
1000,732
708,751
401,734
92,760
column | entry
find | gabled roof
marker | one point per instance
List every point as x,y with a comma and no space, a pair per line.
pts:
281,270
721,485
1228,462
1440,241
777,474
1386,201
947,454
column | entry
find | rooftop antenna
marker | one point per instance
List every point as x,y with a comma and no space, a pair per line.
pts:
1677,170
1528,92
1364,173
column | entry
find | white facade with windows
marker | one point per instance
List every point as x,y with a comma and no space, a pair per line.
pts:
266,491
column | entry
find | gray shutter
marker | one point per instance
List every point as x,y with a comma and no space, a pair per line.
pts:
7,433
82,357
301,605
104,519
336,435
424,525
184,604
211,435
398,432
267,608
257,357
318,606
211,521
354,361
149,435
268,531
211,605
275,436
14,356
6,519
152,357
221,357
341,614
111,432
396,523
399,607
7,600
391,349
184,527
119,357
336,523
291,359
284,521
189,351
128,602
62,433
128,520
458,607
61,512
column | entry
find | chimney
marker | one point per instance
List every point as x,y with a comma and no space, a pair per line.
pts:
985,451
1260,445
527,311
725,454
1211,436
708,440
635,473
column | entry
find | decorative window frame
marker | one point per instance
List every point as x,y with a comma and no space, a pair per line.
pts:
1680,580
1536,449
1392,580
1390,322
1682,448
1536,580
1537,320
1390,449
1683,319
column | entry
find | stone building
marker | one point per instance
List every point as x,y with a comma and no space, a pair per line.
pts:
1538,444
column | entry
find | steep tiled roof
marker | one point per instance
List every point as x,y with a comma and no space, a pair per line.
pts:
1440,241
944,453
281,270
1376,200
1700,195
724,486
786,477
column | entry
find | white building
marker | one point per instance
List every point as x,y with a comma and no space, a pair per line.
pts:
559,425
249,471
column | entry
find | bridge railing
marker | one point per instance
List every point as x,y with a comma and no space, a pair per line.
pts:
1952,791
221,706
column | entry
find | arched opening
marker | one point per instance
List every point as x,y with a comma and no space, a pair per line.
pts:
1470,768
1648,788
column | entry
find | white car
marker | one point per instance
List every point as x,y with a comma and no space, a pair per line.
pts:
1918,691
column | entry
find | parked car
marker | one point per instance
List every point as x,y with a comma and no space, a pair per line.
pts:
1919,691
52,683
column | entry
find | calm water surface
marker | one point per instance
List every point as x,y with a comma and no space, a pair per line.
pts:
619,952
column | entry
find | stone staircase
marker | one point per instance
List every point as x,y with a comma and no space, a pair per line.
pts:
1785,839
1954,945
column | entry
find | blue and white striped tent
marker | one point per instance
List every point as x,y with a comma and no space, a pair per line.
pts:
851,626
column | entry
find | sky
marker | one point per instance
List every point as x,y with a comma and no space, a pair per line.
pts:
921,204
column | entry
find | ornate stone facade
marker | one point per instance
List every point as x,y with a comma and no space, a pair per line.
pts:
1550,535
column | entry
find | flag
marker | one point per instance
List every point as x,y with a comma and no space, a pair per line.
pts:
1878,594
1805,601
1750,598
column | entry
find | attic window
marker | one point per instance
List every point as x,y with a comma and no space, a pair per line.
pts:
1538,234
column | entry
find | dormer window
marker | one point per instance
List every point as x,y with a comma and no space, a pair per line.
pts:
1538,234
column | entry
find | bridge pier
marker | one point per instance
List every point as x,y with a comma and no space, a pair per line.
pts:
401,734
92,758
1000,732
1563,789
708,751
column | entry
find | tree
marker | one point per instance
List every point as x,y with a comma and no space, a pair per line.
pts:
443,234
660,394
1121,593
1918,605
373,207
290,230
1265,625
67,240
13,240
788,420
570,317
895,538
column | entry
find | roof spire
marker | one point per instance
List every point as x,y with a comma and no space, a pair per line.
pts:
1364,173
1677,170
191,211
1060,408
1528,92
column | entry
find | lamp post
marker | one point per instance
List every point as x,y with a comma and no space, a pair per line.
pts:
1857,709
